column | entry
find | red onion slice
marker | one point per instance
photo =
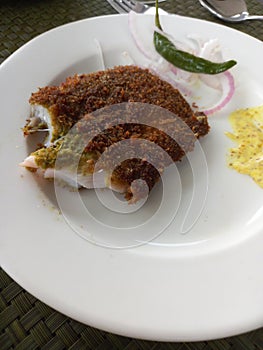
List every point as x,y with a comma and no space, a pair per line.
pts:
184,81
228,90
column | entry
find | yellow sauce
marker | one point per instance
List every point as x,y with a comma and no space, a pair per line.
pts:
247,156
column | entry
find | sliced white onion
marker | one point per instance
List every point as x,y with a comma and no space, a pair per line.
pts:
213,81
100,54
145,45
171,80
211,50
127,58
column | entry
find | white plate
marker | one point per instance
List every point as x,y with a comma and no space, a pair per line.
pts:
204,284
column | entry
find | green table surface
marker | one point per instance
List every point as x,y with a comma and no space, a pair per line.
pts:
25,322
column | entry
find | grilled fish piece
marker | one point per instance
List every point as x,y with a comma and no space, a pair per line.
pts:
148,108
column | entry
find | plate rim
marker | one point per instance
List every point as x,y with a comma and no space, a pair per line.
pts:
12,271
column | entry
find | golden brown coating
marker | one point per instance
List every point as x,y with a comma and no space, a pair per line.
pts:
79,101
85,93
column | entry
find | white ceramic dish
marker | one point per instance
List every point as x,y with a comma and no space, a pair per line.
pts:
204,284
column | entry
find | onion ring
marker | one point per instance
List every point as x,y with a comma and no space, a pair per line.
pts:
185,81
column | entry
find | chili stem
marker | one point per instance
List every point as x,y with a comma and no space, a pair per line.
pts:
157,19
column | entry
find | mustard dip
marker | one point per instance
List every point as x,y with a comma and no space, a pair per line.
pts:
247,157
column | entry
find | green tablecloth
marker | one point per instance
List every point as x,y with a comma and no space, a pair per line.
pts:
25,322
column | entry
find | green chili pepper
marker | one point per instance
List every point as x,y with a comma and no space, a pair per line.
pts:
182,59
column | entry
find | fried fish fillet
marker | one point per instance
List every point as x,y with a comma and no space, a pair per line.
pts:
148,109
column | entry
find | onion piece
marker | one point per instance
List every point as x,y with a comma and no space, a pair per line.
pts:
228,90
185,81
147,50
171,80
100,54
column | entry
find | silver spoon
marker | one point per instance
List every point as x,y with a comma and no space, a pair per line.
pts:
229,10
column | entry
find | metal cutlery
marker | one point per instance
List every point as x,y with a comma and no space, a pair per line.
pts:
124,6
229,10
